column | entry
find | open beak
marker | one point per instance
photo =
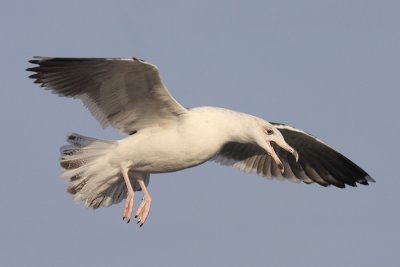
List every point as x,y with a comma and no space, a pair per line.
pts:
270,150
274,156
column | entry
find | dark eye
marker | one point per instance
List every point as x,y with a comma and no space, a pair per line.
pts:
269,132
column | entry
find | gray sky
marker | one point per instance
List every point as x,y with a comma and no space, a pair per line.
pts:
328,67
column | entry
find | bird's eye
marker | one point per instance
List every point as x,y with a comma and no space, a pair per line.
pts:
269,131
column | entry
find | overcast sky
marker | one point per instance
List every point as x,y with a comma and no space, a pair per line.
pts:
328,67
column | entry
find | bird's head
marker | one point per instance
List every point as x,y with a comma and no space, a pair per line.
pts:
266,136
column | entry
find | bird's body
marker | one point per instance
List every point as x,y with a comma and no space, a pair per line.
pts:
196,137
192,140
163,136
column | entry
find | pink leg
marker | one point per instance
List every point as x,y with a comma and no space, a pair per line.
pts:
130,196
144,208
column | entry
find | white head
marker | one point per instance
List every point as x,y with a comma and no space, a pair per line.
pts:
265,135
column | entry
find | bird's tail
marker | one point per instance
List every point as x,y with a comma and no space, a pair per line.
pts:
85,166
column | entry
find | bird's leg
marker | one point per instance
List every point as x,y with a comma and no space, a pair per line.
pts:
130,196
144,208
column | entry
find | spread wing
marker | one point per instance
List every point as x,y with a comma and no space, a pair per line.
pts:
127,94
317,161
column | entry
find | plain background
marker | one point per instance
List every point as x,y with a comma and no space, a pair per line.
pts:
328,67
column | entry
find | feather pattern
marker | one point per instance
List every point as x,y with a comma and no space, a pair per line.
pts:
127,94
80,162
317,163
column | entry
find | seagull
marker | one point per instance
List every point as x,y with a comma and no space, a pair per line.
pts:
163,136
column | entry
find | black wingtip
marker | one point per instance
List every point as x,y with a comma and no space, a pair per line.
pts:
34,61
366,180
339,185
34,76
32,69
370,179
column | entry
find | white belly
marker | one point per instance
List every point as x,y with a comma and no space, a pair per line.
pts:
165,151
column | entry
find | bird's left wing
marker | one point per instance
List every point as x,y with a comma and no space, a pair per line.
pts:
127,94
317,161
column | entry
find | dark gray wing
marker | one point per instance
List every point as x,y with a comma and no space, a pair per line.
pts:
127,94
317,162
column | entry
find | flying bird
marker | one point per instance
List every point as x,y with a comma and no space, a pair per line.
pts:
164,136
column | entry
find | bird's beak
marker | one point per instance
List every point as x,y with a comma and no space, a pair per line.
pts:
270,150
290,149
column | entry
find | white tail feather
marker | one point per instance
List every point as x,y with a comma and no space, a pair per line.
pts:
91,178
